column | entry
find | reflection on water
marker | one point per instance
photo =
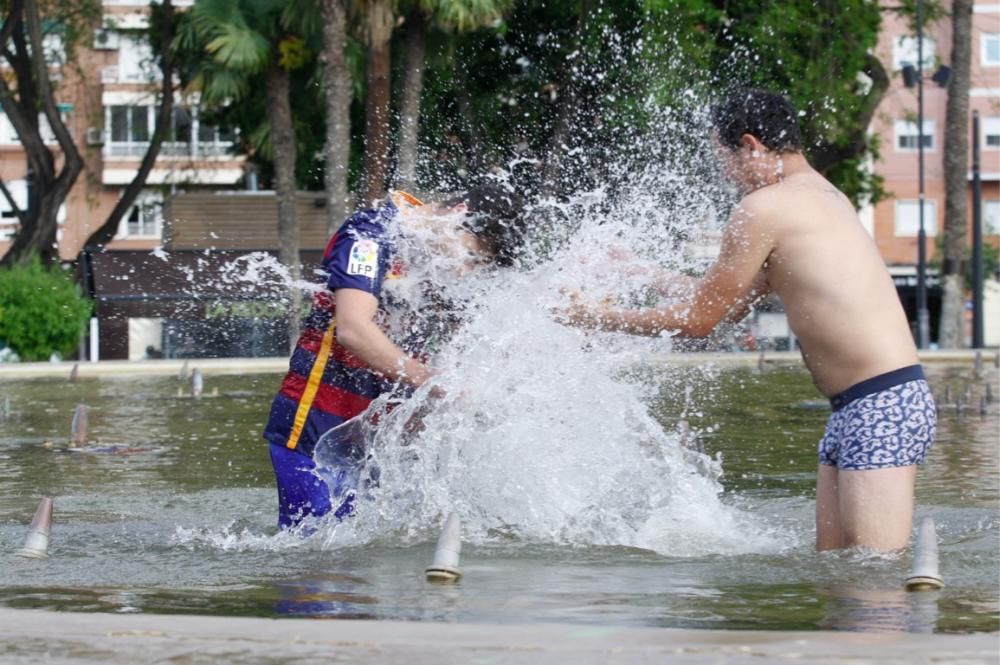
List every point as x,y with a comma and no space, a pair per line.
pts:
894,610
186,523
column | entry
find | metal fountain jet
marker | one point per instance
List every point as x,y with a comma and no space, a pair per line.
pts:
36,545
444,567
78,428
924,575
197,383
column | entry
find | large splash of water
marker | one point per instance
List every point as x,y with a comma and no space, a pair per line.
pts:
543,435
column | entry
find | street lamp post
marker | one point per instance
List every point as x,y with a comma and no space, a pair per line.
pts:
923,316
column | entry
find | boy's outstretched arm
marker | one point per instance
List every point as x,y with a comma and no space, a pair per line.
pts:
725,290
357,331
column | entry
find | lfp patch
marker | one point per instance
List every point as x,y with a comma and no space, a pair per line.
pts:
363,259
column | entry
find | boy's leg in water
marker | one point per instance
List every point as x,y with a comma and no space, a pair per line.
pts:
868,508
300,493
829,531
876,507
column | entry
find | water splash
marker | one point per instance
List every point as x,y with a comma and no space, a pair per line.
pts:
543,436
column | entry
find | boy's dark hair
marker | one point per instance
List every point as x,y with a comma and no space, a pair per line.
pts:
765,115
496,217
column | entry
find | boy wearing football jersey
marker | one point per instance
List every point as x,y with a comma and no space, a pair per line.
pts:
349,352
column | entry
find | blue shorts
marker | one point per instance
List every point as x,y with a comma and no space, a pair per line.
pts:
886,421
305,490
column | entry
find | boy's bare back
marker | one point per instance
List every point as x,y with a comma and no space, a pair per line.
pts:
838,295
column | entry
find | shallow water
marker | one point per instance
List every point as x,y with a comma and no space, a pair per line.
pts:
176,514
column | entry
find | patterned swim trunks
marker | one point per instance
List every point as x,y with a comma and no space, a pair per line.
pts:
883,422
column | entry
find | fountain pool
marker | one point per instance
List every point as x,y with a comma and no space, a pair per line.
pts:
174,512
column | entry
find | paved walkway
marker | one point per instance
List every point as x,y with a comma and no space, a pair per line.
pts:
33,636
279,365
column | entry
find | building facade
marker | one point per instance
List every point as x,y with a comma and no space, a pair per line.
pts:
894,221
107,94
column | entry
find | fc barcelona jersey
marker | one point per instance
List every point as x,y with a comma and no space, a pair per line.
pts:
326,384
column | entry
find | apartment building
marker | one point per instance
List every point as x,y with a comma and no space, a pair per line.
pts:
107,98
894,221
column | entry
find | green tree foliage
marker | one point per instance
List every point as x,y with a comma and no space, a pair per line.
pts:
562,88
42,310
819,54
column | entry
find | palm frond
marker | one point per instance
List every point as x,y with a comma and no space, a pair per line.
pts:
239,48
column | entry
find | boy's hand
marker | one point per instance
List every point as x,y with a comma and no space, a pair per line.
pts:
580,314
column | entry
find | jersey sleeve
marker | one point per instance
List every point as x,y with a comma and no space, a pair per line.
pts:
357,260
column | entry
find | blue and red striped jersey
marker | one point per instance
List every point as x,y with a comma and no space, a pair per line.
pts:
326,384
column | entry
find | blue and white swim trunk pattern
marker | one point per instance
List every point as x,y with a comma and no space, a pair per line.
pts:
886,421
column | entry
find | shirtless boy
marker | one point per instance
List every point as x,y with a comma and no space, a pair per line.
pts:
795,234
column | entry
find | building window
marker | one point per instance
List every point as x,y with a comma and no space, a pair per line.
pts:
135,60
905,52
991,218
907,136
990,129
8,135
130,129
990,55
215,140
144,219
908,218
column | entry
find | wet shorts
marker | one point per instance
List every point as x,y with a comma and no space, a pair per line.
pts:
305,490
883,422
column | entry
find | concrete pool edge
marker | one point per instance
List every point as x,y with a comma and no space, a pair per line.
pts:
46,636
219,366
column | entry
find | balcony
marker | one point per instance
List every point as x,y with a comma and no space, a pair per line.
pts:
194,151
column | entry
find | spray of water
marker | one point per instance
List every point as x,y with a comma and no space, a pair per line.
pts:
543,435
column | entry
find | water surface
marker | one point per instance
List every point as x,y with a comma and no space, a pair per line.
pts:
174,512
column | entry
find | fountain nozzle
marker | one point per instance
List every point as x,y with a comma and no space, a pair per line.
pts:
924,575
444,567
36,545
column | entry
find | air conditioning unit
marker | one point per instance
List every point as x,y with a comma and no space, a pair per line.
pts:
95,136
106,40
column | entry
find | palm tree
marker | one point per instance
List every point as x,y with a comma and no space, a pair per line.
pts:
241,41
956,166
378,20
450,16
337,93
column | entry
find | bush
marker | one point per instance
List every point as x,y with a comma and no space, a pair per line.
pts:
42,311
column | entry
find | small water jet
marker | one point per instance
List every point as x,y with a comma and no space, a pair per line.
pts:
36,545
924,573
78,430
444,566
197,383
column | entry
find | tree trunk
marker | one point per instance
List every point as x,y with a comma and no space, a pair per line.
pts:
37,235
279,116
337,91
106,231
825,156
473,154
554,172
409,113
379,20
956,167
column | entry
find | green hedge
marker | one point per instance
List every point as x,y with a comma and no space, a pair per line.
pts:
42,311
